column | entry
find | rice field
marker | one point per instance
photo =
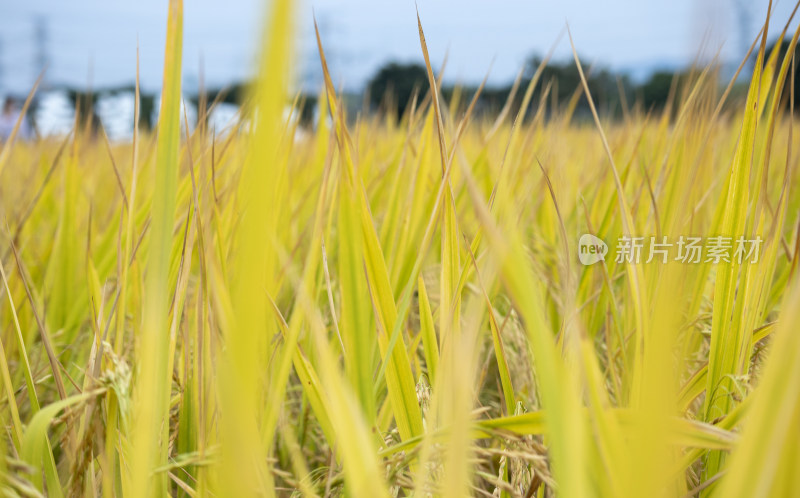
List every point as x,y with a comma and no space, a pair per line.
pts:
408,307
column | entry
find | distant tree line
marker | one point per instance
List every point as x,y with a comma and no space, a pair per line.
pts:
393,85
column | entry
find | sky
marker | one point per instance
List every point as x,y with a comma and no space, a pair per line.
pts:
95,40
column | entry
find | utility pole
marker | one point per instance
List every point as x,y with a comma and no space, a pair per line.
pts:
2,68
41,54
742,8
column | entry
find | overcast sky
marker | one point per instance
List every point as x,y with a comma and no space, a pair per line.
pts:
630,35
